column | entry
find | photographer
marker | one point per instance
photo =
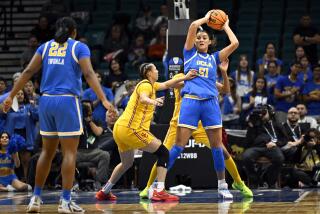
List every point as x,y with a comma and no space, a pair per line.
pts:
294,132
264,136
88,152
307,171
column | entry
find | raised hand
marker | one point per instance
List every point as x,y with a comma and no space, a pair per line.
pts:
224,65
226,24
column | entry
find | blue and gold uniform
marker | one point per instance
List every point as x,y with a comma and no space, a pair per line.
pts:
200,95
7,175
59,108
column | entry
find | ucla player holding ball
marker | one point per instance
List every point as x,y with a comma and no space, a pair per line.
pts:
63,60
200,136
200,96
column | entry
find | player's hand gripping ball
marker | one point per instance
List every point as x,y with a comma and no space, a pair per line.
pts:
217,19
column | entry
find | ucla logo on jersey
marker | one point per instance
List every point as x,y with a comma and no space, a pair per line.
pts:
204,63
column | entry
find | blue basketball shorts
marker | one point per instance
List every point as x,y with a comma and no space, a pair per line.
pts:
193,110
7,180
60,116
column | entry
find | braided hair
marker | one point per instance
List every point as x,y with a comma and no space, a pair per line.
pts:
64,29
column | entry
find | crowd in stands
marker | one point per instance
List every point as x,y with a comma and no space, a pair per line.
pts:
289,128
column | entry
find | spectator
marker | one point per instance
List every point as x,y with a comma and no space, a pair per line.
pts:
137,52
243,76
145,22
42,30
116,40
23,122
294,132
258,96
124,99
3,86
311,94
88,151
306,119
299,53
269,55
29,51
306,72
9,159
99,111
116,75
263,136
53,9
272,76
231,107
157,46
162,18
307,35
33,97
287,92
15,76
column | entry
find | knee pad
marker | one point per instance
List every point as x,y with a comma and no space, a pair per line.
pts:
163,156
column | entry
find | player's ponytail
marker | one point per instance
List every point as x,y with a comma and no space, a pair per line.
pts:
64,29
143,70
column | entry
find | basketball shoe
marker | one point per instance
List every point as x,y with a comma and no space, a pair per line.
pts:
69,207
34,204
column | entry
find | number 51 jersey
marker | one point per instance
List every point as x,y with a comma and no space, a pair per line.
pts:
204,85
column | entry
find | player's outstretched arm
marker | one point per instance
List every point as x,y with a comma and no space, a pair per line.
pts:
192,32
89,75
234,43
175,82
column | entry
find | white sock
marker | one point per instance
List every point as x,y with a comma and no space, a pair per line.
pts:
107,187
220,182
160,186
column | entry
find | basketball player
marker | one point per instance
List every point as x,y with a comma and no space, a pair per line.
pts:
200,137
200,96
131,131
62,60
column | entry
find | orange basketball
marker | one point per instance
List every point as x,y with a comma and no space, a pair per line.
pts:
217,19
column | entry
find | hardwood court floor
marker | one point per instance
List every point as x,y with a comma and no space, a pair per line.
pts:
202,201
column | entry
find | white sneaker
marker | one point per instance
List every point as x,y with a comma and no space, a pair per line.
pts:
11,188
69,207
34,204
223,192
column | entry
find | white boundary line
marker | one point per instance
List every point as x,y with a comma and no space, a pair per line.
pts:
302,196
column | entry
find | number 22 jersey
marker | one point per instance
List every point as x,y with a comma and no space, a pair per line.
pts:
61,72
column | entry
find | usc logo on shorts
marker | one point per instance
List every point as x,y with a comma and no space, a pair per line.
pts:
144,134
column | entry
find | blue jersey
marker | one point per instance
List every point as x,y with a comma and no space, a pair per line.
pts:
61,73
312,106
204,85
284,85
